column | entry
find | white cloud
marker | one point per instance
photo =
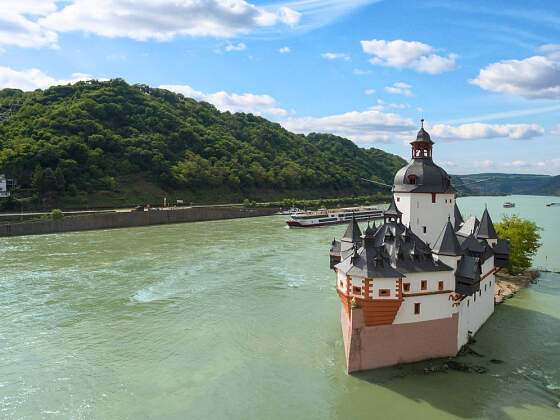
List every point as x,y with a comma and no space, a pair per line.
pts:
334,56
486,131
399,88
553,164
165,19
319,13
364,128
239,47
247,102
284,50
404,54
536,77
359,72
484,163
18,29
369,91
506,114
555,130
32,79
517,164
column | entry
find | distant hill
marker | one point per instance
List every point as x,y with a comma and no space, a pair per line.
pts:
497,183
111,139
550,187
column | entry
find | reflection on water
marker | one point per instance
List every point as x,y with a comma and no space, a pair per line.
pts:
238,319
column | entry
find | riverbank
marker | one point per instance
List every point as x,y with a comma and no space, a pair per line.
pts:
130,219
508,285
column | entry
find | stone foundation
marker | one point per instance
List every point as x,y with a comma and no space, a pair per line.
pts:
386,345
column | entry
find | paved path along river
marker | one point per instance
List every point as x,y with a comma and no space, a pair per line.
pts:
238,319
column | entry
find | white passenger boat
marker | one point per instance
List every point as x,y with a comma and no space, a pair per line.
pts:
333,216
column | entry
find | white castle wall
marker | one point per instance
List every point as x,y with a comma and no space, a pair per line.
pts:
376,285
475,310
419,211
432,306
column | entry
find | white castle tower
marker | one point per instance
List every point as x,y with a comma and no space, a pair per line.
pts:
423,192
422,283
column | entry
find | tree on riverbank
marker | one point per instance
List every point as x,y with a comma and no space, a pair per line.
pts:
524,240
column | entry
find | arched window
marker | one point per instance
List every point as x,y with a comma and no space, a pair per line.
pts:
412,179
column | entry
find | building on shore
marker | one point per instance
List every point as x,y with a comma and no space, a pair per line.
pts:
4,192
418,286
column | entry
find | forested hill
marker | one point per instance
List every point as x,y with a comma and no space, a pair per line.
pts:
97,136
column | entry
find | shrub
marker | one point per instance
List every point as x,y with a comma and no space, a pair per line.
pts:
57,214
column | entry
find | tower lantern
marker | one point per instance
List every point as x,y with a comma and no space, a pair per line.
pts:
422,146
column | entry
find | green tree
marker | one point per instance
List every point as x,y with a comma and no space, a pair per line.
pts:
524,240
57,214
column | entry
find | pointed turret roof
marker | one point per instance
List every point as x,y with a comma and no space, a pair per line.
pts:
393,209
458,218
423,136
472,245
353,232
469,227
447,243
369,232
486,228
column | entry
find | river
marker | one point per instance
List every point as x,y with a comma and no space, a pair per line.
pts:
238,319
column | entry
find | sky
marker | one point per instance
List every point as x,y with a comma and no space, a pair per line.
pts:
485,75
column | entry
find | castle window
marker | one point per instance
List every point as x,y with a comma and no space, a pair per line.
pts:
433,197
424,284
412,179
398,199
384,292
440,285
406,287
424,229
357,290
485,288
416,308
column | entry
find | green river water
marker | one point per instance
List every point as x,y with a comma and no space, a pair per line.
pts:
238,319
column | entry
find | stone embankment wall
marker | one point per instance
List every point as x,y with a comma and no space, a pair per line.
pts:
130,219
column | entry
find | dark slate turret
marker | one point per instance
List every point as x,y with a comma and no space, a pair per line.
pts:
392,214
447,243
369,235
486,227
467,275
353,232
501,253
458,218
472,247
334,253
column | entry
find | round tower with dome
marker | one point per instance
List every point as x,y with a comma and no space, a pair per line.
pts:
423,192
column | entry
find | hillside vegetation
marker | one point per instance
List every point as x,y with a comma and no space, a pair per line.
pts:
550,187
112,140
498,183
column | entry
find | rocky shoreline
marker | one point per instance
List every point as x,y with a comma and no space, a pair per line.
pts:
507,285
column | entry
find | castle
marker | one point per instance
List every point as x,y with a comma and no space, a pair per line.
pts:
420,284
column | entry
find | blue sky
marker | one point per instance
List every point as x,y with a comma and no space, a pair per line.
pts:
485,75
